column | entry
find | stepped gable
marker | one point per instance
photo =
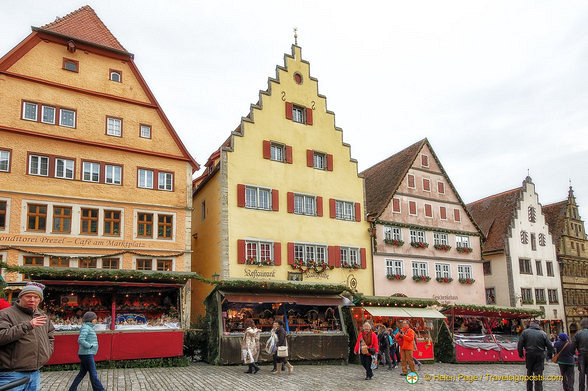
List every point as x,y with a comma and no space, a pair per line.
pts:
382,179
493,215
84,25
554,216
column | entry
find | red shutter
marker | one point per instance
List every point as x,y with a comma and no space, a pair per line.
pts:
428,210
395,205
319,206
426,185
337,256
290,202
363,258
241,195
277,253
456,215
309,116
309,158
289,110
410,180
332,210
266,149
332,256
288,154
443,212
329,162
412,207
357,211
240,251
440,187
424,160
275,200
290,253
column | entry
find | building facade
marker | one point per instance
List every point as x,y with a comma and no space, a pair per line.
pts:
281,199
425,244
520,267
92,173
569,234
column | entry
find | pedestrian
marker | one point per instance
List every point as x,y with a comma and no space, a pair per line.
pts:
366,346
88,342
393,349
271,347
580,343
26,338
565,359
250,346
535,343
281,334
405,338
384,347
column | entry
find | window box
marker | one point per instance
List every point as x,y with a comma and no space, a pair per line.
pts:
442,247
464,250
395,276
444,279
541,301
317,266
419,244
394,242
349,265
467,281
421,278
527,301
259,262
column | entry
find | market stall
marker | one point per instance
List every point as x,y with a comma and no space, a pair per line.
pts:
140,314
389,311
312,316
487,334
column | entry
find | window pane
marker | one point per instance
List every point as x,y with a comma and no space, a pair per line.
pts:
30,111
48,114
251,197
113,174
4,161
67,118
113,127
145,131
264,199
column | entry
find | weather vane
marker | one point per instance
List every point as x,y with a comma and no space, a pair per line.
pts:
295,36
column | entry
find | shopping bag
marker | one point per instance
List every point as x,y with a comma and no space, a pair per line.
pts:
282,351
374,361
247,356
270,345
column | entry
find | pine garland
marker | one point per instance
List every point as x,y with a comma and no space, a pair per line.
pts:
425,228
499,310
118,253
378,301
279,286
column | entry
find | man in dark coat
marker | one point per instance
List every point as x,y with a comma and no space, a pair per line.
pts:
580,343
384,345
535,342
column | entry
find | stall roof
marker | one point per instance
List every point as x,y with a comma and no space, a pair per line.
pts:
387,311
269,298
424,313
491,312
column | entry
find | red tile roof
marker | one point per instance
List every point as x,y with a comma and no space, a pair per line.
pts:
493,215
382,179
83,24
554,216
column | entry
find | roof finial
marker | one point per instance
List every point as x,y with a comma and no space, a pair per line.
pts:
295,36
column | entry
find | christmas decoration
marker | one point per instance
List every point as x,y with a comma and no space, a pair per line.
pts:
394,242
421,278
442,247
259,262
466,281
395,276
444,279
464,250
419,244
318,267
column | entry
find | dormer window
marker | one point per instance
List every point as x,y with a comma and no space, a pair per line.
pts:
116,76
70,65
300,114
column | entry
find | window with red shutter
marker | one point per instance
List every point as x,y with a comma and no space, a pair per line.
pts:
240,251
319,206
290,197
424,161
456,215
331,250
290,253
241,195
332,208
357,211
288,154
412,208
289,107
337,255
443,212
309,158
441,187
411,181
329,162
309,116
426,184
395,205
266,149
363,258
428,210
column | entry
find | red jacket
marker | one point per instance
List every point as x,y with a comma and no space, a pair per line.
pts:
374,343
406,341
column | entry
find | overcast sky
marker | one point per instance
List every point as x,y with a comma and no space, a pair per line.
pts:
498,87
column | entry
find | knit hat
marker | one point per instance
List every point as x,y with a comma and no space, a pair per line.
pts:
89,316
563,336
33,287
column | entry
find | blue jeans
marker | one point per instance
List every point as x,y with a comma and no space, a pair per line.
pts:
33,384
87,365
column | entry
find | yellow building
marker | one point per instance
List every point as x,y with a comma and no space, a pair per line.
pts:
93,176
281,199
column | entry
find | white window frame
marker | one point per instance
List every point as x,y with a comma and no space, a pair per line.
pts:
429,180
39,170
462,241
319,160
350,255
5,157
45,107
345,210
145,131
24,111
442,270
256,202
298,114
392,233
420,269
394,266
61,116
118,74
408,181
91,169
258,245
162,181
111,169
277,152
465,272
416,208
304,204
68,164
111,127
311,251
143,177
418,236
441,238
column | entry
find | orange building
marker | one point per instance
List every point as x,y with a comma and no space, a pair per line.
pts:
92,174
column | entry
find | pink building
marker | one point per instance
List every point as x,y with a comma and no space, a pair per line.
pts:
425,243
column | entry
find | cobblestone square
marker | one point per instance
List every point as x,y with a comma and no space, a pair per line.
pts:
201,376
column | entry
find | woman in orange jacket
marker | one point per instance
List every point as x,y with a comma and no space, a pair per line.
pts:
366,346
405,338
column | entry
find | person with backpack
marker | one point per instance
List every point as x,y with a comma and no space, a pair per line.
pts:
394,357
384,345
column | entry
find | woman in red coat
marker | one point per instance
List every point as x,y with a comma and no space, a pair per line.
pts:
366,346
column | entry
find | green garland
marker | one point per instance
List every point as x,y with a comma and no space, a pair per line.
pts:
481,308
53,273
378,301
118,253
424,228
280,286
